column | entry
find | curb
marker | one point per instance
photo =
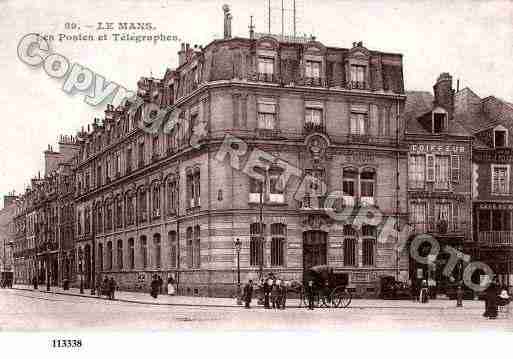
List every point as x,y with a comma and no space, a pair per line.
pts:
226,305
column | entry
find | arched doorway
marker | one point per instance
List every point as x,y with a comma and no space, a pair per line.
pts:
315,248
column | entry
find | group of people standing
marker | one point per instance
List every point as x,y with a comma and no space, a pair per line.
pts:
157,286
106,287
274,292
495,297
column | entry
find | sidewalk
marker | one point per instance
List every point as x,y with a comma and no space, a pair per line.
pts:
187,301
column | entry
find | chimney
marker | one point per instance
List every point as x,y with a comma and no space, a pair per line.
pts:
444,93
181,55
227,22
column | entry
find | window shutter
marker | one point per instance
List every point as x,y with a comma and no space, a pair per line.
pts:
430,168
455,169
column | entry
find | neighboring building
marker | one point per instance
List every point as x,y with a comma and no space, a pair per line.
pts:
156,205
439,176
44,236
490,120
7,231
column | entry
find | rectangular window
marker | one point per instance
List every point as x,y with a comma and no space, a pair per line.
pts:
430,168
266,65
313,116
357,123
358,74
120,254
418,216
438,122
368,251
266,116
256,247
416,171
129,159
442,179
443,217
350,251
313,69
141,154
499,138
278,231
500,179
455,169
173,249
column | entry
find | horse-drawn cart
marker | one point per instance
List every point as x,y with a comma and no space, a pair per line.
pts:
328,285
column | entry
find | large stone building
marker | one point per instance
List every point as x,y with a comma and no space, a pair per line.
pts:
7,232
172,204
490,120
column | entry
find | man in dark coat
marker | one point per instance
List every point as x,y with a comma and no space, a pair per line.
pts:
112,287
154,287
267,291
310,294
491,306
248,293
161,283
283,294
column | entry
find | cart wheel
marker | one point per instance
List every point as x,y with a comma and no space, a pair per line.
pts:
340,297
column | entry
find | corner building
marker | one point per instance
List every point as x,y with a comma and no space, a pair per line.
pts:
151,204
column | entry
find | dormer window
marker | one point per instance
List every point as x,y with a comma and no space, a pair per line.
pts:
439,122
358,76
500,137
313,69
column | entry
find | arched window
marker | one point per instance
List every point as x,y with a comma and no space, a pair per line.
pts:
189,250
120,254
172,196
131,253
368,244
99,222
157,252
173,249
278,233
109,255
349,246
256,244
142,205
144,252
100,256
108,219
156,200
119,212
197,247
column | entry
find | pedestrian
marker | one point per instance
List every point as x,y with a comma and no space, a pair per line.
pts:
34,282
105,287
268,283
414,290
171,286
276,293
248,293
432,288
112,288
154,287
310,294
99,286
284,286
491,305
161,283
424,296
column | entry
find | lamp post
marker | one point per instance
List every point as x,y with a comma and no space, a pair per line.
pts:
80,259
47,244
238,246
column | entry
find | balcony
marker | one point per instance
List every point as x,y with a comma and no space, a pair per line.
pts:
266,77
356,85
313,81
311,127
496,238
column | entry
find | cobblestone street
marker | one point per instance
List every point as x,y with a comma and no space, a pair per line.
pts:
39,310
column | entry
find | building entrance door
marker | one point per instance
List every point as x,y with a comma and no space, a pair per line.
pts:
315,248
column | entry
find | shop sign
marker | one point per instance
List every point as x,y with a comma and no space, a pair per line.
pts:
499,206
436,148
502,155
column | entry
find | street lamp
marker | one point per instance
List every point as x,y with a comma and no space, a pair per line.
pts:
238,246
80,259
47,265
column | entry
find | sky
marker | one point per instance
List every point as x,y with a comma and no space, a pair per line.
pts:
473,40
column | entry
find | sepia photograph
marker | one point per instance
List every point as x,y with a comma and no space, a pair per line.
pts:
270,167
